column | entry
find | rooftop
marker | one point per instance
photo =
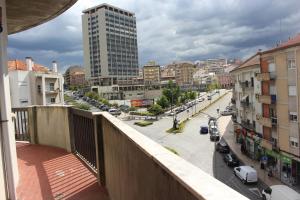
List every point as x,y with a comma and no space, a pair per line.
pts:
295,41
252,61
110,7
21,65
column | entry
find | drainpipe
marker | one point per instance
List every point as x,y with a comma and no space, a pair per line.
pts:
6,124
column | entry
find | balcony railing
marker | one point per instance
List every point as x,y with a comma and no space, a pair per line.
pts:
264,121
274,120
267,99
266,76
247,125
126,162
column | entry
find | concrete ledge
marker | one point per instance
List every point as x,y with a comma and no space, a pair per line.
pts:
168,176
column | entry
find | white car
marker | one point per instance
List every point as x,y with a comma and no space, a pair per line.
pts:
280,192
114,111
246,173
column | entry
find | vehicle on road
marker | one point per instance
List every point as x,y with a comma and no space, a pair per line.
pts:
280,192
214,133
171,113
203,129
114,111
208,97
226,112
247,174
222,147
231,160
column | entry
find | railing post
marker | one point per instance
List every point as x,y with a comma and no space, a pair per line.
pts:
71,129
98,130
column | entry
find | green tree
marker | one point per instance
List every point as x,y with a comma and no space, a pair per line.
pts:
184,97
163,101
192,95
155,109
172,92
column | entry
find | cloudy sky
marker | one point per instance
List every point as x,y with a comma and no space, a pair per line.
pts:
170,30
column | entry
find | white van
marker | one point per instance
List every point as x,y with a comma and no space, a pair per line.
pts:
280,192
246,173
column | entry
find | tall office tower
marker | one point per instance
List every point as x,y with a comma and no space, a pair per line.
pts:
110,45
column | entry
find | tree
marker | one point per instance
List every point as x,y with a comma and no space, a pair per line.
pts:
192,95
172,92
163,101
155,109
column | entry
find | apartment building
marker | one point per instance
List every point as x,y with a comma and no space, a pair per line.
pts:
279,78
248,131
110,45
225,79
202,79
184,72
33,84
74,76
151,74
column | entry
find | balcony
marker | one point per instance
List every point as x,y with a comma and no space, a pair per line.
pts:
75,154
267,99
266,76
247,125
264,121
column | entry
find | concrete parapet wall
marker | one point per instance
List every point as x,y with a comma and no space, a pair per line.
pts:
138,168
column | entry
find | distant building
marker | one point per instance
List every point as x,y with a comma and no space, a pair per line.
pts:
151,74
184,74
110,45
33,84
74,76
202,79
167,73
225,79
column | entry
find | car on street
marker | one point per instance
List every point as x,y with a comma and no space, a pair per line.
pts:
226,113
203,129
171,113
247,174
214,133
231,160
222,147
209,97
114,111
280,192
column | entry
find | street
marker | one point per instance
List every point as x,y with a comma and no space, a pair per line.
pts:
198,149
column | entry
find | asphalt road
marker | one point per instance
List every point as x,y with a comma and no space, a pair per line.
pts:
198,149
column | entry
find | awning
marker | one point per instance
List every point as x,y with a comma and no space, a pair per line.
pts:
245,98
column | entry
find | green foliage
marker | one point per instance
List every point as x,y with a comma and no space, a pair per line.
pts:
155,109
180,128
172,92
163,102
132,108
192,95
73,88
141,113
82,106
115,105
186,96
143,123
92,95
213,86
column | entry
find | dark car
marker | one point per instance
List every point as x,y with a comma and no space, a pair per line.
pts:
222,147
203,129
214,133
231,160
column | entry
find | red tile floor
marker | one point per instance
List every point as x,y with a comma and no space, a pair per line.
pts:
53,174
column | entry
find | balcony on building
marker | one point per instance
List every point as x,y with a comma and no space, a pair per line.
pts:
268,122
76,154
247,125
245,102
267,99
266,76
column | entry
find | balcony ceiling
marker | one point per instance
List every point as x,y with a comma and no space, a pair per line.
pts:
25,14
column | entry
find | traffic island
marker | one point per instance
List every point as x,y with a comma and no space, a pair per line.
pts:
180,128
143,123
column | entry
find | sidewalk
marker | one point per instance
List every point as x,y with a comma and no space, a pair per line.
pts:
226,129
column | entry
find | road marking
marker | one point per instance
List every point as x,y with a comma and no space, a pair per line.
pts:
255,191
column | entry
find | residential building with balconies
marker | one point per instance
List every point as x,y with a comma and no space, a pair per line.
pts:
33,84
245,93
151,74
280,105
74,76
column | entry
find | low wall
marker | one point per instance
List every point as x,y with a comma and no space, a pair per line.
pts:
49,125
138,168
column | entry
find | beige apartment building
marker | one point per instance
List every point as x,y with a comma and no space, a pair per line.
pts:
74,76
280,109
184,72
151,74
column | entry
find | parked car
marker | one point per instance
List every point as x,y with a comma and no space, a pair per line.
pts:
226,112
203,129
105,108
246,173
209,97
214,134
231,160
114,111
222,147
171,113
280,192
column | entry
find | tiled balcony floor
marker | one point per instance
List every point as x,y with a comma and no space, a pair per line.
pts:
54,174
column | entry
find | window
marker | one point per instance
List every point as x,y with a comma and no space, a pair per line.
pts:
51,86
52,100
292,90
294,142
291,63
293,116
39,88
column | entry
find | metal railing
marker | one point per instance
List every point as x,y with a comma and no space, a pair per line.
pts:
20,120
